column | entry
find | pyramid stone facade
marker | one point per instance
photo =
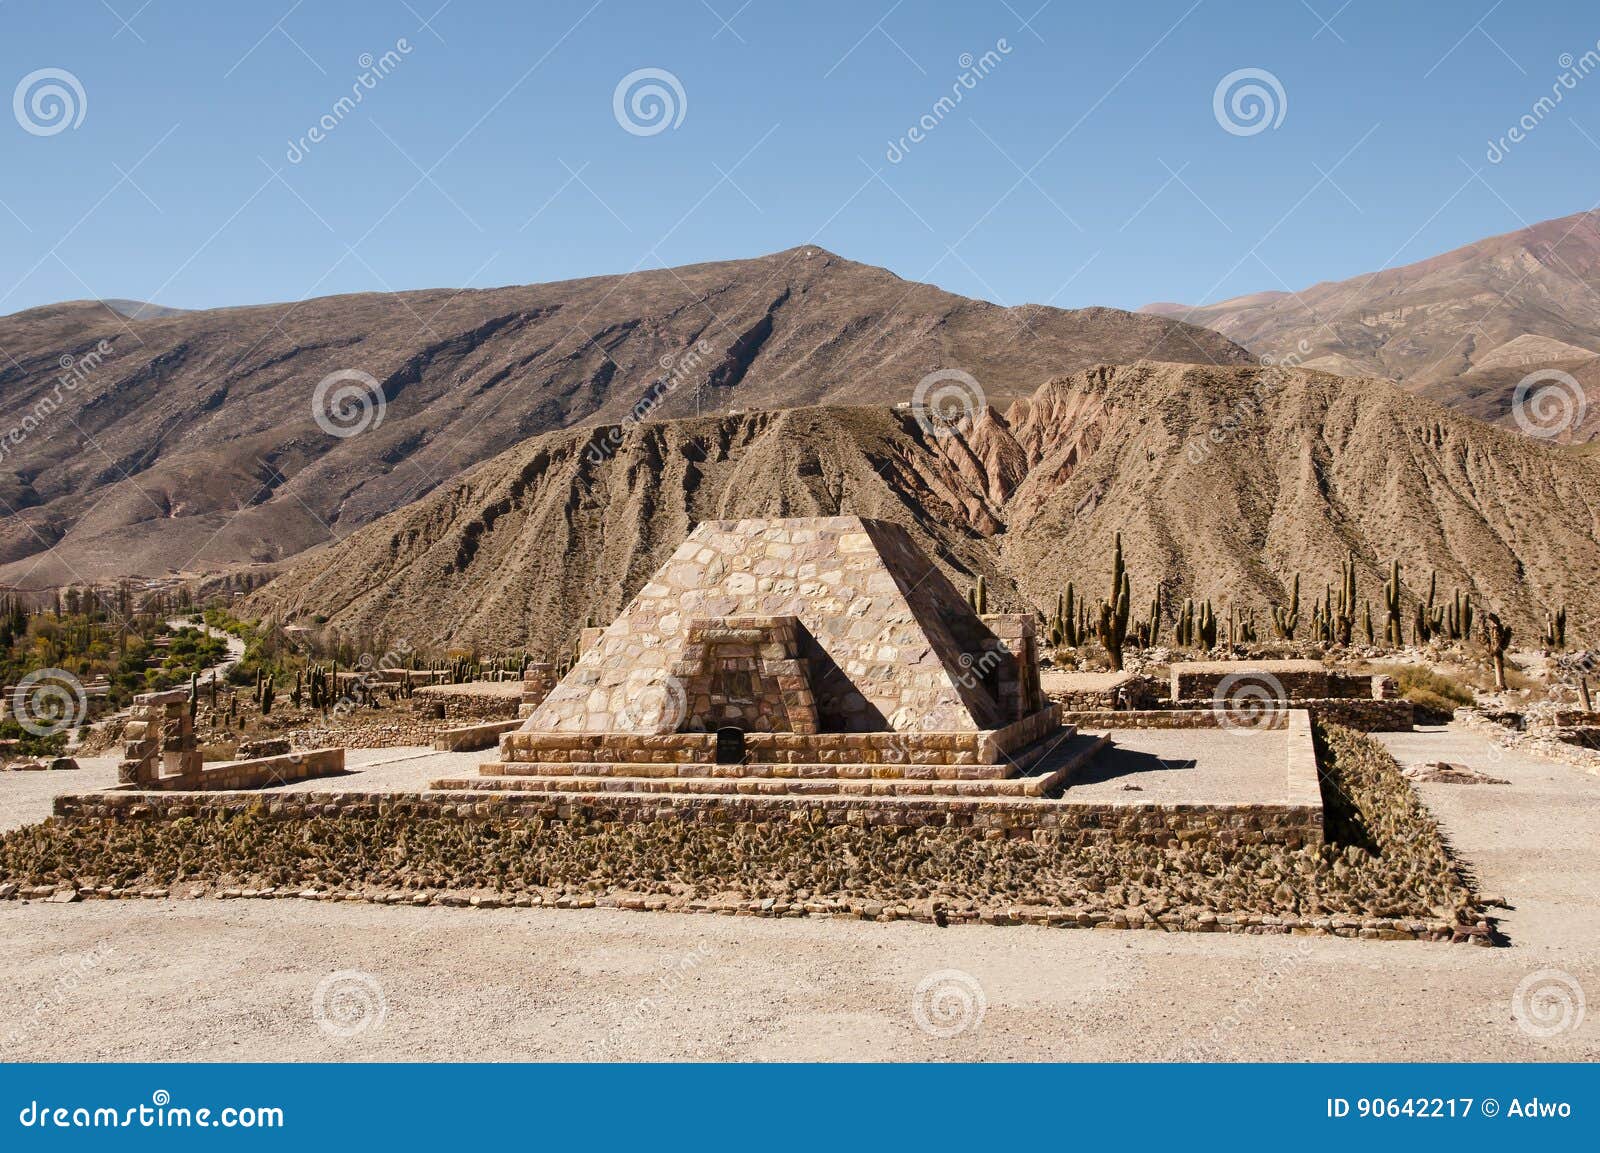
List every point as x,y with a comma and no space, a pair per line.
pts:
806,626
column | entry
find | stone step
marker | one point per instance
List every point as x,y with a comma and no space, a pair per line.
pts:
724,773
1054,766
1017,764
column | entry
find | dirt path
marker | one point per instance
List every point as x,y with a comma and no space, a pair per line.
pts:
235,648
238,980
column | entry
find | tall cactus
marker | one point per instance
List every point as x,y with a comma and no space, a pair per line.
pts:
1344,615
1392,635
1206,622
1458,617
1112,627
1497,638
1286,618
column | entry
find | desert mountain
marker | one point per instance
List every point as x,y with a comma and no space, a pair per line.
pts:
155,441
1304,468
1463,327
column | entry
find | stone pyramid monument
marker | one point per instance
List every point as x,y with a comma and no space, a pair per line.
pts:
803,626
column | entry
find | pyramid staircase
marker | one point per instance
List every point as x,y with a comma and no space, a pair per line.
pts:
1041,769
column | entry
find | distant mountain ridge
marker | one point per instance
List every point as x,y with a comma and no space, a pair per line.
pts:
1452,327
526,546
188,440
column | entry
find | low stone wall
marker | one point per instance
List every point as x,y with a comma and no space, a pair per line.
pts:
1563,719
1185,718
987,747
257,773
392,729
1301,680
469,738
1148,824
1363,715
1395,715
1087,692
475,701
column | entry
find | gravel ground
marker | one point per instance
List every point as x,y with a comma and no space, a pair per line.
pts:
238,980
1188,767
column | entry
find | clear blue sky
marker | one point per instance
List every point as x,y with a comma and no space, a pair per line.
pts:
1086,167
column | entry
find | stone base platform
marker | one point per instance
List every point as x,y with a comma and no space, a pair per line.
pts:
1051,767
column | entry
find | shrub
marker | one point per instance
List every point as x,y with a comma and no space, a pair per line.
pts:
1434,694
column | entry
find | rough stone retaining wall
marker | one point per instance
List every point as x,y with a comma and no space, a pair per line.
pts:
1363,715
1540,741
477,701
388,730
1256,924
955,748
251,774
1190,825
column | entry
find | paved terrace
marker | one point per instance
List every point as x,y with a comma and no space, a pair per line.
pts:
1209,767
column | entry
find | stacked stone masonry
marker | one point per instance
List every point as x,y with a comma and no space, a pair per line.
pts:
1195,825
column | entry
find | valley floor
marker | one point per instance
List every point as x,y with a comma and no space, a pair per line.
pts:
239,980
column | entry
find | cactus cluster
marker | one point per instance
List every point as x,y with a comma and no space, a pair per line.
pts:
1286,618
1555,629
